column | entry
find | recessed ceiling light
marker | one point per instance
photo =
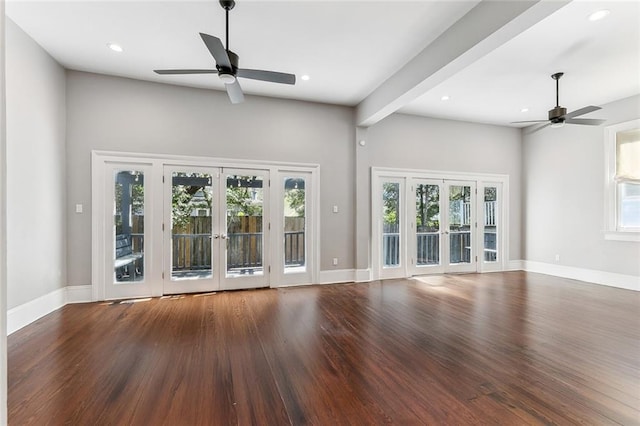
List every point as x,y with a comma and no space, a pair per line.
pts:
305,77
115,47
445,98
525,109
598,15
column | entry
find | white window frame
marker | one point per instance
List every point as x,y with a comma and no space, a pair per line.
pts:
612,230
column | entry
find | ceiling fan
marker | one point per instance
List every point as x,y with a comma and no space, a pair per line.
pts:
558,115
227,64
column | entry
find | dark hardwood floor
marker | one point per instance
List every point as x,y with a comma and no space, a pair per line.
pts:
505,348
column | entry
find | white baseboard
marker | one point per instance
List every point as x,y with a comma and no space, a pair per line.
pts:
515,265
29,312
610,279
25,314
79,293
362,275
337,276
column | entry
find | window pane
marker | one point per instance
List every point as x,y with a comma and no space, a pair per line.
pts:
459,224
294,225
191,226
628,154
245,196
390,224
490,224
629,213
428,224
128,218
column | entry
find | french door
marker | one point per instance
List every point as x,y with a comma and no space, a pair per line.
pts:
442,226
174,224
215,238
460,231
425,225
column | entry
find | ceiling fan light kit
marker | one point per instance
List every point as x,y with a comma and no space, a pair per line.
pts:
227,64
558,115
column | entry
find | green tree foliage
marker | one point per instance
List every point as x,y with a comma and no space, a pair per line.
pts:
391,206
295,199
427,208
187,198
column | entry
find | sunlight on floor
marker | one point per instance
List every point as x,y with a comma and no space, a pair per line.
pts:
437,284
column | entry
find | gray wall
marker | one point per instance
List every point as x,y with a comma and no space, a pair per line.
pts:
564,175
36,234
412,142
111,113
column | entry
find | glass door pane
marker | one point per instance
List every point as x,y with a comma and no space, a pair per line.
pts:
459,222
192,207
390,224
128,230
295,201
490,224
127,240
245,210
427,224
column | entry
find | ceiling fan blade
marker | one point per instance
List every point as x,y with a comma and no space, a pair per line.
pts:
162,72
235,92
529,121
217,50
582,111
272,76
585,121
535,129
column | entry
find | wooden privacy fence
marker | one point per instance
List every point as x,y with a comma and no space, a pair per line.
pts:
191,243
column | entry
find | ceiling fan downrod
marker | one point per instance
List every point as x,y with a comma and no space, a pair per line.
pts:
227,5
556,77
556,114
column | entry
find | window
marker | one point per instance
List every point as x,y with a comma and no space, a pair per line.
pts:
623,181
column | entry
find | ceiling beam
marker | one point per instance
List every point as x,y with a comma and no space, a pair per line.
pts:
489,25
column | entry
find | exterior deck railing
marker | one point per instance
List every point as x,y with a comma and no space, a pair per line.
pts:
244,250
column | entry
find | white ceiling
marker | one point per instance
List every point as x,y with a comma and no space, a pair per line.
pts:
349,48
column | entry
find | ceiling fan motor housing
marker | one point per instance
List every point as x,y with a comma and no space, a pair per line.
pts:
556,114
235,61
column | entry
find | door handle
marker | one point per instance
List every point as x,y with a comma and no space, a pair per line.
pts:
216,236
223,236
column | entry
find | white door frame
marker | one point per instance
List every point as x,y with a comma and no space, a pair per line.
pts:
412,243
281,277
105,234
154,250
171,286
407,176
229,281
380,271
500,217
472,266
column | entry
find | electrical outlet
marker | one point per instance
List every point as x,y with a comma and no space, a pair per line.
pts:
335,209
335,261
557,258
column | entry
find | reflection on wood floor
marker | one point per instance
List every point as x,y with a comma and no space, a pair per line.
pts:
502,348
